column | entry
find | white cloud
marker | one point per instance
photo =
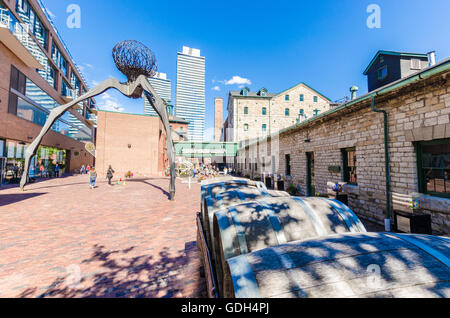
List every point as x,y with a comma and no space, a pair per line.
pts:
237,80
109,103
216,88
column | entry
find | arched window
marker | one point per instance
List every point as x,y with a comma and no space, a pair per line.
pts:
286,112
245,110
264,111
245,127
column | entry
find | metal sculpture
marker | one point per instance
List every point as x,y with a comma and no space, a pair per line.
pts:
137,63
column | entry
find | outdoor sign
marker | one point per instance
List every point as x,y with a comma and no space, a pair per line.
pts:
90,147
205,149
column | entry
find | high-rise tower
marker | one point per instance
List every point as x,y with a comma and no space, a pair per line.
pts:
190,92
163,88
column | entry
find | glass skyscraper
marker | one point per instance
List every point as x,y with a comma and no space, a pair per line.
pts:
190,92
163,88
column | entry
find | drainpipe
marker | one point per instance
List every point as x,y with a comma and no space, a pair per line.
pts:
387,220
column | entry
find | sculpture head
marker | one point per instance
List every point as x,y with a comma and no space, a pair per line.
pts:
133,59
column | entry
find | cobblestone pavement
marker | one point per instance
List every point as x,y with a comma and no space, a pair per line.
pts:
120,241
116,241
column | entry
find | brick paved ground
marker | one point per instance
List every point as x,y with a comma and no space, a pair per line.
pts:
122,241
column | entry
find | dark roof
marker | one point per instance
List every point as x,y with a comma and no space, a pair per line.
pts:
250,94
178,120
394,53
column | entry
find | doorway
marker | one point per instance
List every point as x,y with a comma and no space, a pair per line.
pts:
310,188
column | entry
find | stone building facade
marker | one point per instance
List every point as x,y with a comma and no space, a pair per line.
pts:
418,110
252,115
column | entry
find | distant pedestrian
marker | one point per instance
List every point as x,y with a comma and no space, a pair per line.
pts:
225,171
109,174
57,170
88,169
83,169
92,177
194,172
16,171
41,169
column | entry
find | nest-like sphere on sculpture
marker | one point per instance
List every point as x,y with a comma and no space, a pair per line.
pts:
133,59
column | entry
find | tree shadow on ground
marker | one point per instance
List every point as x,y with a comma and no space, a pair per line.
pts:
6,199
146,181
123,276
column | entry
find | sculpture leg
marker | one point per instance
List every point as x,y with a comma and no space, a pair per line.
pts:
161,109
58,112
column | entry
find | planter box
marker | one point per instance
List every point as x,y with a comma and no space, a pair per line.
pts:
408,222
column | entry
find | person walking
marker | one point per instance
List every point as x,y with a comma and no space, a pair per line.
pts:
57,170
109,174
92,177
83,169
41,168
88,169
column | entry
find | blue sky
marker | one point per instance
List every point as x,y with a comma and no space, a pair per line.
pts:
272,44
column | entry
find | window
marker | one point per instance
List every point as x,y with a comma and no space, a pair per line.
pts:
316,112
52,77
264,128
349,163
286,98
301,112
65,90
286,112
59,60
316,99
302,97
382,73
245,127
264,111
415,64
433,160
245,110
287,159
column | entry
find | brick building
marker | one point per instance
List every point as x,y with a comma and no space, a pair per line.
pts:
347,145
135,143
255,114
37,75
218,119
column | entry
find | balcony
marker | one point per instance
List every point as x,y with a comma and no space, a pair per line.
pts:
16,38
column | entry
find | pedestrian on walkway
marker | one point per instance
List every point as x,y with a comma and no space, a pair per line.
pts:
92,177
57,170
41,168
83,169
88,169
109,174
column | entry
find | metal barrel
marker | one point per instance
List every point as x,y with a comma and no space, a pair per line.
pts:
357,265
271,221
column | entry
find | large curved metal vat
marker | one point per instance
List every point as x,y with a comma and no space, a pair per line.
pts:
271,221
349,265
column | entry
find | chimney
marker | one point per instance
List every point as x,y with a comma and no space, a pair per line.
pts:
353,90
431,58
